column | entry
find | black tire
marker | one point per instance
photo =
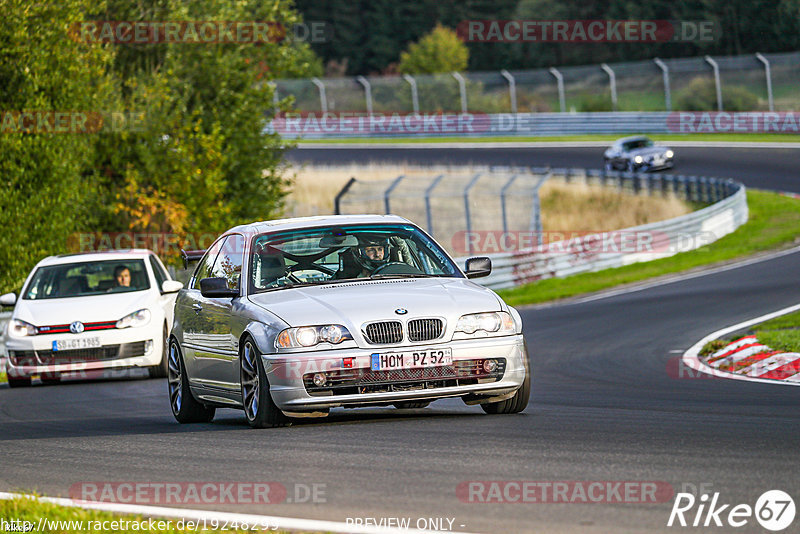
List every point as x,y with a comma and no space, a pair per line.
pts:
162,369
185,407
50,379
19,382
519,401
259,408
411,405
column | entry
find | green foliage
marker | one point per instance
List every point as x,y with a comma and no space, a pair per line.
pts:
785,340
45,196
439,51
701,95
713,346
198,160
595,102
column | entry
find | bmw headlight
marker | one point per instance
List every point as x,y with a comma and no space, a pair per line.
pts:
486,324
669,153
137,318
638,159
308,336
17,328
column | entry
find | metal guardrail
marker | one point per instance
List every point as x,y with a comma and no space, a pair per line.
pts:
457,209
647,85
4,317
595,252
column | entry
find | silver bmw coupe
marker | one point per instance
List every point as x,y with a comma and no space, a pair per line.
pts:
290,318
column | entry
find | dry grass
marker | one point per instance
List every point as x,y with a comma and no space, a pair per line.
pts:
572,207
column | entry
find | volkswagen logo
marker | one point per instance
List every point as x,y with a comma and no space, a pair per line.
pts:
76,327
401,311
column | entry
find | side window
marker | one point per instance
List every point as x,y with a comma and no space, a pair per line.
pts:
158,271
229,261
205,265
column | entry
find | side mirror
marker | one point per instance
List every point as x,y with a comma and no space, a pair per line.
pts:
171,286
478,267
217,288
9,299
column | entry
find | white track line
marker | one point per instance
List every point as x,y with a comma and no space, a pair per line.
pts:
666,280
691,357
284,523
539,144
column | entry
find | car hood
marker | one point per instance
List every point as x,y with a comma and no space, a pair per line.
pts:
90,309
355,303
648,151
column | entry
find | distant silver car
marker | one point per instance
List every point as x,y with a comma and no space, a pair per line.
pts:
638,154
293,317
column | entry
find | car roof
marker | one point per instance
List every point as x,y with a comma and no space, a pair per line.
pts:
83,257
632,138
297,223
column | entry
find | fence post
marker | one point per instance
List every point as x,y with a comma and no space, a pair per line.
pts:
462,89
275,99
388,193
414,95
665,74
503,201
367,92
323,100
717,82
467,213
340,194
612,81
562,100
428,191
536,219
768,72
512,89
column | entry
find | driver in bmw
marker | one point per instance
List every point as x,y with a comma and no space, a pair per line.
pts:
371,254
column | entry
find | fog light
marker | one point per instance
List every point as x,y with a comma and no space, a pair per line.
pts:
319,379
489,366
148,346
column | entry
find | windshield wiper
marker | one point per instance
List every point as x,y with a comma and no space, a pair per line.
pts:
403,275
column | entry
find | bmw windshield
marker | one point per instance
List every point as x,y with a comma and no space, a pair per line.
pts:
331,254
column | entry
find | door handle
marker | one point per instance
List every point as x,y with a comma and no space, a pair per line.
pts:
197,308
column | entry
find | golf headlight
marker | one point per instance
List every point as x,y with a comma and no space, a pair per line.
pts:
638,159
486,324
137,318
669,153
308,336
17,328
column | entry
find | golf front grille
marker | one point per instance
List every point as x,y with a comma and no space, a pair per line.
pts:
95,354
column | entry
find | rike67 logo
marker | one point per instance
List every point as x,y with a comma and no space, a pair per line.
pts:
774,510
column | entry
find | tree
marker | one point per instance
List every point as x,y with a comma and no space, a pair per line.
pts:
439,51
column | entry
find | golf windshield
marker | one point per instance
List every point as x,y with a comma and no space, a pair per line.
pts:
87,278
332,254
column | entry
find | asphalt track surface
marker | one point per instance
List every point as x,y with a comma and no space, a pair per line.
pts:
608,404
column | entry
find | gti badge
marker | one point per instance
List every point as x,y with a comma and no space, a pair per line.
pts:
401,311
76,327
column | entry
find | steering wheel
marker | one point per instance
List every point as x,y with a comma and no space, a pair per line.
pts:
396,267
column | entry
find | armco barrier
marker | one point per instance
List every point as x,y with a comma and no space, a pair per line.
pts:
4,317
666,238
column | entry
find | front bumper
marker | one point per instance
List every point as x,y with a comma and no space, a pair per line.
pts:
129,347
289,392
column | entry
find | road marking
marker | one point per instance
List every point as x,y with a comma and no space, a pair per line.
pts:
668,279
692,360
285,523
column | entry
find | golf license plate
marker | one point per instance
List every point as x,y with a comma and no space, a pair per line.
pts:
412,359
74,344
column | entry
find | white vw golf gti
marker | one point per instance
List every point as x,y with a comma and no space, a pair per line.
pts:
89,312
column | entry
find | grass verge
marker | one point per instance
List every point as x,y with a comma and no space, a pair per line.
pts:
27,513
720,137
781,333
773,224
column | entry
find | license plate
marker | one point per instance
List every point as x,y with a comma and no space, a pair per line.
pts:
73,344
389,361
